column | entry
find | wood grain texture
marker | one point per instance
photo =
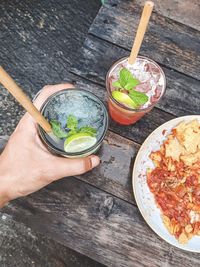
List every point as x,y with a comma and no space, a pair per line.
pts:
96,57
97,224
186,12
23,247
168,42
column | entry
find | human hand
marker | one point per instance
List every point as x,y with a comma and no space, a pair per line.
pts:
26,165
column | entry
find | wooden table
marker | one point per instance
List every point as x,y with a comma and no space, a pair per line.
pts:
96,213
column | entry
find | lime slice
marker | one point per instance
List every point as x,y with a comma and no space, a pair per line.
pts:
123,99
79,142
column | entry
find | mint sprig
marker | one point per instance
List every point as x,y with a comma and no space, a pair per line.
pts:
117,84
138,98
57,129
87,129
72,122
128,82
72,126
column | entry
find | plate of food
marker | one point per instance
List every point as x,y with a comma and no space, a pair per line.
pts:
166,182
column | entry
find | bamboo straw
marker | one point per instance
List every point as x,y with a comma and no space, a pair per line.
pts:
20,96
148,7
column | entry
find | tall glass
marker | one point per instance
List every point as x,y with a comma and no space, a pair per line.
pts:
152,82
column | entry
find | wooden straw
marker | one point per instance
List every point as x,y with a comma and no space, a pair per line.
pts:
148,7
20,96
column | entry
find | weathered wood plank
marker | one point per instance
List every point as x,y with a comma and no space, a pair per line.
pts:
96,224
184,11
96,56
23,247
168,42
46,36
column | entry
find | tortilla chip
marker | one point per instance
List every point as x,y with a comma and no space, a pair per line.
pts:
190,159
173,149
189,135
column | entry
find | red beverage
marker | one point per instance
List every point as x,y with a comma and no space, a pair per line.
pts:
152,83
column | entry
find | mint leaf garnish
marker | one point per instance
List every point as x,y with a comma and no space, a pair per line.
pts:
72,122
87,129
138,97
72,125
57,129
131,84
126,80
116,84
125,76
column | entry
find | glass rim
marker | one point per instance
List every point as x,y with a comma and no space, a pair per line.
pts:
128,108
63,152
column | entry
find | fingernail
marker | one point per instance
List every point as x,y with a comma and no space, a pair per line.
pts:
95,161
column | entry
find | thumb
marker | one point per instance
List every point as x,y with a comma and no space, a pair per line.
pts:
63,167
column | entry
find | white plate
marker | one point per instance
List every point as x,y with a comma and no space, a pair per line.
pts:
143,196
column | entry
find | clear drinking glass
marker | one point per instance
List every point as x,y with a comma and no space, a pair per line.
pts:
86,107
153,83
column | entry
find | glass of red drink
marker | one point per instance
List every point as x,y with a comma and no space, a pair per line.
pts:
152,84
